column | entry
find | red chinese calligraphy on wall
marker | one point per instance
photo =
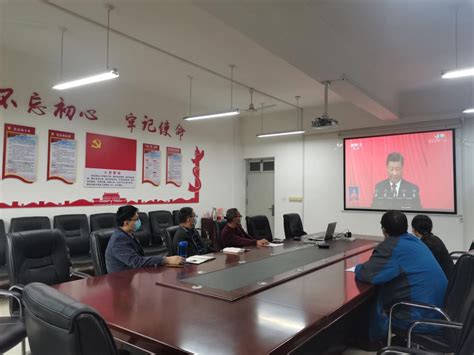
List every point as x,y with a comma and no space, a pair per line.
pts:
5,99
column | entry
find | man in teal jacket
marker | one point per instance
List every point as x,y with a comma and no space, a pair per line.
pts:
404,269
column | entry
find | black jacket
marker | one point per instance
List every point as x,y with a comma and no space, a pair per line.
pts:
408,196
440,252
196,245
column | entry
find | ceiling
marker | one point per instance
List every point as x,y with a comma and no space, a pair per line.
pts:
31,28
393,51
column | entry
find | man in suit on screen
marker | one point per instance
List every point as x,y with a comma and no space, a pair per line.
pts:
395,192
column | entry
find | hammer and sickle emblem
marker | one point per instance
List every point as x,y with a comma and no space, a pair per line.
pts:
96,143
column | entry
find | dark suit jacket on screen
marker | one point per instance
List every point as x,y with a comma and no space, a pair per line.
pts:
408,196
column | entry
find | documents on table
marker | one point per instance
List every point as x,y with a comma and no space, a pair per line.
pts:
233,250
199,259
275,244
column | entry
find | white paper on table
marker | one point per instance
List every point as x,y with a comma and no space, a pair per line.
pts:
351,269
275,244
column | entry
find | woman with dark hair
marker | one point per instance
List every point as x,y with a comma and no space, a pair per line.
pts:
421,227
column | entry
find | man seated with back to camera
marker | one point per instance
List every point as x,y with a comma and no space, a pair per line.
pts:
233,235
187,232
421,227
124,251
403,269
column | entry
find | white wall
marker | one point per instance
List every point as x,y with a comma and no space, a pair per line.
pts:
222,171
288,152
321,165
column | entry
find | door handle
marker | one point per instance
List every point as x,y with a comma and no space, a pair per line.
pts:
273,210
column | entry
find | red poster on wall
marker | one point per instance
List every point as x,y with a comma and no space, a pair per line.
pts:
61,156
110,161
174,166
151,164
20,147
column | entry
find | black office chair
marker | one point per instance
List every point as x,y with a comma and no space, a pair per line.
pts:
293,225
169,240
144,237
218,227
455,255
12,328
258,227
100,221
3,247
458,299
21,224
159,221
464,345
75,228
56,322
99,241
176,217
38,256
144,233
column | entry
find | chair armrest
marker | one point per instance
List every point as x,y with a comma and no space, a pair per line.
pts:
14,296
398,350
17,288
411,304
457,254
441,323
80,275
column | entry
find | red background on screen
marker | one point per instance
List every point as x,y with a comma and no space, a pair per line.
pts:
428,164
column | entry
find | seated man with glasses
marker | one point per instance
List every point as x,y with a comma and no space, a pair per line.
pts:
187,232
124,251
233,235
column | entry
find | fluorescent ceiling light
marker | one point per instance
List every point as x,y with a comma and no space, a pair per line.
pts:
275,134
112,74
469,110
213,115
458,73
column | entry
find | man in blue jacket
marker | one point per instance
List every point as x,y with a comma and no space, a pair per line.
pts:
124,252
404,269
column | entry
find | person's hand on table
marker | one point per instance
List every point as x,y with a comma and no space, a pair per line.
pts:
262,243
174,260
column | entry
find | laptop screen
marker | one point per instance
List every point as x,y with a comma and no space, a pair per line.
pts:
330,231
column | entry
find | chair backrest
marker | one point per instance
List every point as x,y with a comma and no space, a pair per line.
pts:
3,243
176,217
218,227
169,239
159,221
293,225
37,256
258,227
102,221
466,339
75,228
99,241
57,323
21,224
460,292
471,247
144,233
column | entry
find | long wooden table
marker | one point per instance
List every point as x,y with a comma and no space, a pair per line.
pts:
154,310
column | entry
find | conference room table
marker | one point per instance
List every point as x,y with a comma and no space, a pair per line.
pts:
235,304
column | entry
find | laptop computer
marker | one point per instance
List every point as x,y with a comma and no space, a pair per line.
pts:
327,236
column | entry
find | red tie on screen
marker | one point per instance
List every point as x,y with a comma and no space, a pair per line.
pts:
394,190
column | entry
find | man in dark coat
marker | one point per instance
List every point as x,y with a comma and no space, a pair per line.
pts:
395,193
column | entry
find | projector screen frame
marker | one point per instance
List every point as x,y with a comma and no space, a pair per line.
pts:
424,211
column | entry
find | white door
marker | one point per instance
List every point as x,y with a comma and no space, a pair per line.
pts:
260,189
